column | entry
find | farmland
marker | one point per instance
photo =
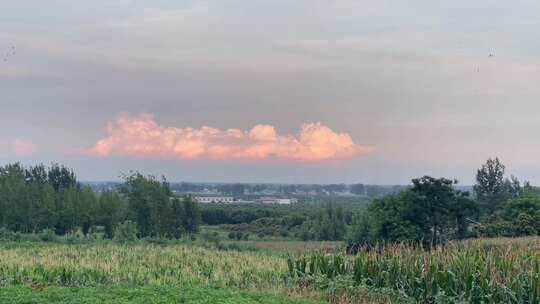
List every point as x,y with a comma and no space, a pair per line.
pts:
474,271
42,271
429,243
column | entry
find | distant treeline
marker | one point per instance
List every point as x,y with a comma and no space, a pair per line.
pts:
240,189
322,220
289,189
36,198
432,211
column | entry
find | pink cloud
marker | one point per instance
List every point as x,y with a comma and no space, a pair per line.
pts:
23,149
141,136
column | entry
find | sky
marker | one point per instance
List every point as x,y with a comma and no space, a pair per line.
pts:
349,91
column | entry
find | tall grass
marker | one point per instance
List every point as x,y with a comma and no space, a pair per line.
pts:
472,272
138,265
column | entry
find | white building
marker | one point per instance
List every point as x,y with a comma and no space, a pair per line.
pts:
280,201
214,199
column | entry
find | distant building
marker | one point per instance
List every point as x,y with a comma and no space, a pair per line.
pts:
214,199
280,201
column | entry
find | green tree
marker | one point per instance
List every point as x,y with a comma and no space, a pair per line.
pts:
463,211
490,187
192,215
60,177
111,210
125,232
178,217
391,216
148,201
433,200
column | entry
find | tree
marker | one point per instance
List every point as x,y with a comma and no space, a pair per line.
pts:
125,232
490,186
433,200
61,177
178,217
429,212
360,233
463,211
148,200
192,215
391,219
111,210
358,189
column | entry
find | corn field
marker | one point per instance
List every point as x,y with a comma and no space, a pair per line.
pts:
483,271
138,265
500,271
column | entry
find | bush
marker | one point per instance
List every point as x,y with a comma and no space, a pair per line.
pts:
96,233
75,236
158,240
232,235
211,237
47,235
125,232
7,235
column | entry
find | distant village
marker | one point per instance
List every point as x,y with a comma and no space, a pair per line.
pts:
232,200
282,194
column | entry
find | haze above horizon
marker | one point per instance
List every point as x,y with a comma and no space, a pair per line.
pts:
373,92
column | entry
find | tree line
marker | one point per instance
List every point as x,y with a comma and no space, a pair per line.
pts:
432,211
38,197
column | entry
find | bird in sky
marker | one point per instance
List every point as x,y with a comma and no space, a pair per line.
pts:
9,53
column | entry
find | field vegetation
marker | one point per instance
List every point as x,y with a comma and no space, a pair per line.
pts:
478,271
61,242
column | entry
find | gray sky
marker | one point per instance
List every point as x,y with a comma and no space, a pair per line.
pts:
410,81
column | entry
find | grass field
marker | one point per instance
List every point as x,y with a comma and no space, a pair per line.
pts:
143,295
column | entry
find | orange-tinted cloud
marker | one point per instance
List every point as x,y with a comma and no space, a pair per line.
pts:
141,136
23,149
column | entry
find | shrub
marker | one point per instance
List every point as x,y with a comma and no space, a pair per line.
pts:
7,235
158,240
47,235
96,233
211,237
125,232
74,237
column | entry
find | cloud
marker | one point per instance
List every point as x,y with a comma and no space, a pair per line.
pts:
141,136
23,149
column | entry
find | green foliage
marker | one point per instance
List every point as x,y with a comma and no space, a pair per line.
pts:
8,235
489,187
475,272
328,225
185,293
429,212
516,217
156,214
125,232
50,199
47,235
492,189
